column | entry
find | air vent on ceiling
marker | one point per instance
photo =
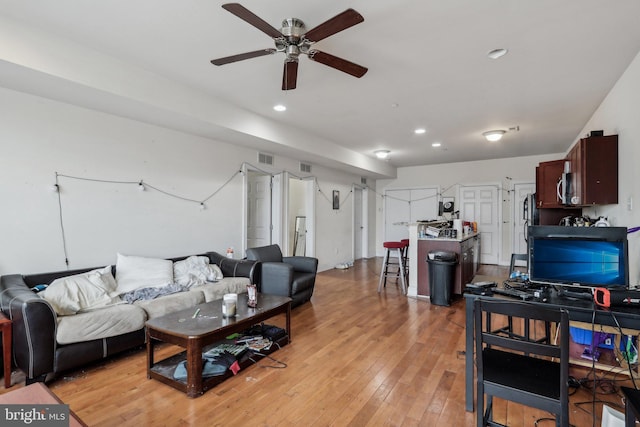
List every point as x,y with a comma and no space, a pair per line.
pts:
305,167
265,159
363,180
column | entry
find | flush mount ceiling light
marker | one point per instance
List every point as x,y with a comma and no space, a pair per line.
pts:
436,145
420,131
494,135
382,154
497,53
280,108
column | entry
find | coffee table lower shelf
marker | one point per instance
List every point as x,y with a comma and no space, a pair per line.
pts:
202,327
163,370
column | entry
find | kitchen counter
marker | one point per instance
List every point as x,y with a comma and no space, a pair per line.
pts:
467,247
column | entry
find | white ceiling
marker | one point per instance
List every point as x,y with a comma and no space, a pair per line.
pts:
427,68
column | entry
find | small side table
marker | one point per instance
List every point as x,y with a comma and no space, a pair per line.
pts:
5,327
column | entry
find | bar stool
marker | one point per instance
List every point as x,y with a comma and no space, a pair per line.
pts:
397,249
405,258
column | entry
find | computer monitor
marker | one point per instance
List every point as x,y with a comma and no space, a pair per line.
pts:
584,257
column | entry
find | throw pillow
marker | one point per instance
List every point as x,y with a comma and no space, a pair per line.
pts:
81,292
195,271
215,273
134,272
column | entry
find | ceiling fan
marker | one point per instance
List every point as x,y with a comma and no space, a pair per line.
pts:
294,39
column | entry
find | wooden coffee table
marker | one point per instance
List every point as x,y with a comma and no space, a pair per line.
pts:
208,327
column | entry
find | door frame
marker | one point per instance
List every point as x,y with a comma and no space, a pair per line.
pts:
309,207
364,220
273,214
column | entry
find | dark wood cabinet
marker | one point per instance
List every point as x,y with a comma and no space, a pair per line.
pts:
468,251
548,175
594,171
467,263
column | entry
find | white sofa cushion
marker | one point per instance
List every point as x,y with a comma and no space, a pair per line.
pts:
134,272
170,303
104,323
228,285
81,292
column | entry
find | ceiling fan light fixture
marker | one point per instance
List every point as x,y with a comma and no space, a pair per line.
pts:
382,154
494,135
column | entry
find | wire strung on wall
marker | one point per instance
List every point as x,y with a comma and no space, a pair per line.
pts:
142,185
56,188
329,199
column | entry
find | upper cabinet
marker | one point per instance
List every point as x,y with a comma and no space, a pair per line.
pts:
548,182
587,176
593,172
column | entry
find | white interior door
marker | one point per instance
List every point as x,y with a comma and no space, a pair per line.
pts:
481,204
520,192
258,209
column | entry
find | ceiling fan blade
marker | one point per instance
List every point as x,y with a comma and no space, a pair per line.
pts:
253,19
340,22
242,56
338,63
290,75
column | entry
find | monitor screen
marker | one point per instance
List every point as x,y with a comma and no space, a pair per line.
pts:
578,256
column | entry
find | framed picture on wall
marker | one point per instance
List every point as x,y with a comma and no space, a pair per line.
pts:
336,199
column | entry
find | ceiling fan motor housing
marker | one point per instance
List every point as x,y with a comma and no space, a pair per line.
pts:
293,44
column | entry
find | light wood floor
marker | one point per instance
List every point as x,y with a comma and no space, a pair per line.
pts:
357,358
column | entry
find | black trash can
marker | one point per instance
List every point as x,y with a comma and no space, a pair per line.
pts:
442,273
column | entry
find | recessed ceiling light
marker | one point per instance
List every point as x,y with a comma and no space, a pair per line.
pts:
436,144
382,154
497,53
280,108
420,131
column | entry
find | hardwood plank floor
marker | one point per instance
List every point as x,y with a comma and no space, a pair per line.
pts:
357,358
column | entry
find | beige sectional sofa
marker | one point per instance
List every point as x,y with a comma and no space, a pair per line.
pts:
85,315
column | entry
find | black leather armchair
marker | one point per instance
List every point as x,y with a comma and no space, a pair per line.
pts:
294,276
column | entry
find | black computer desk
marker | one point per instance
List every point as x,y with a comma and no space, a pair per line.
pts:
579,310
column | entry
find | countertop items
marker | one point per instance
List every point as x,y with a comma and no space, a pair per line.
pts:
451,239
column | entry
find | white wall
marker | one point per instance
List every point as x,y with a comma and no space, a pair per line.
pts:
338,223
619,114
450,176
39,137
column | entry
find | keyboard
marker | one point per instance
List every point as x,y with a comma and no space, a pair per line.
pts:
514,293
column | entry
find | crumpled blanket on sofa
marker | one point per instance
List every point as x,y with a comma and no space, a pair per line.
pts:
152,292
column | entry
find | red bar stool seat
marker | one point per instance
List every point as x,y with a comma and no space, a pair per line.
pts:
391,249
